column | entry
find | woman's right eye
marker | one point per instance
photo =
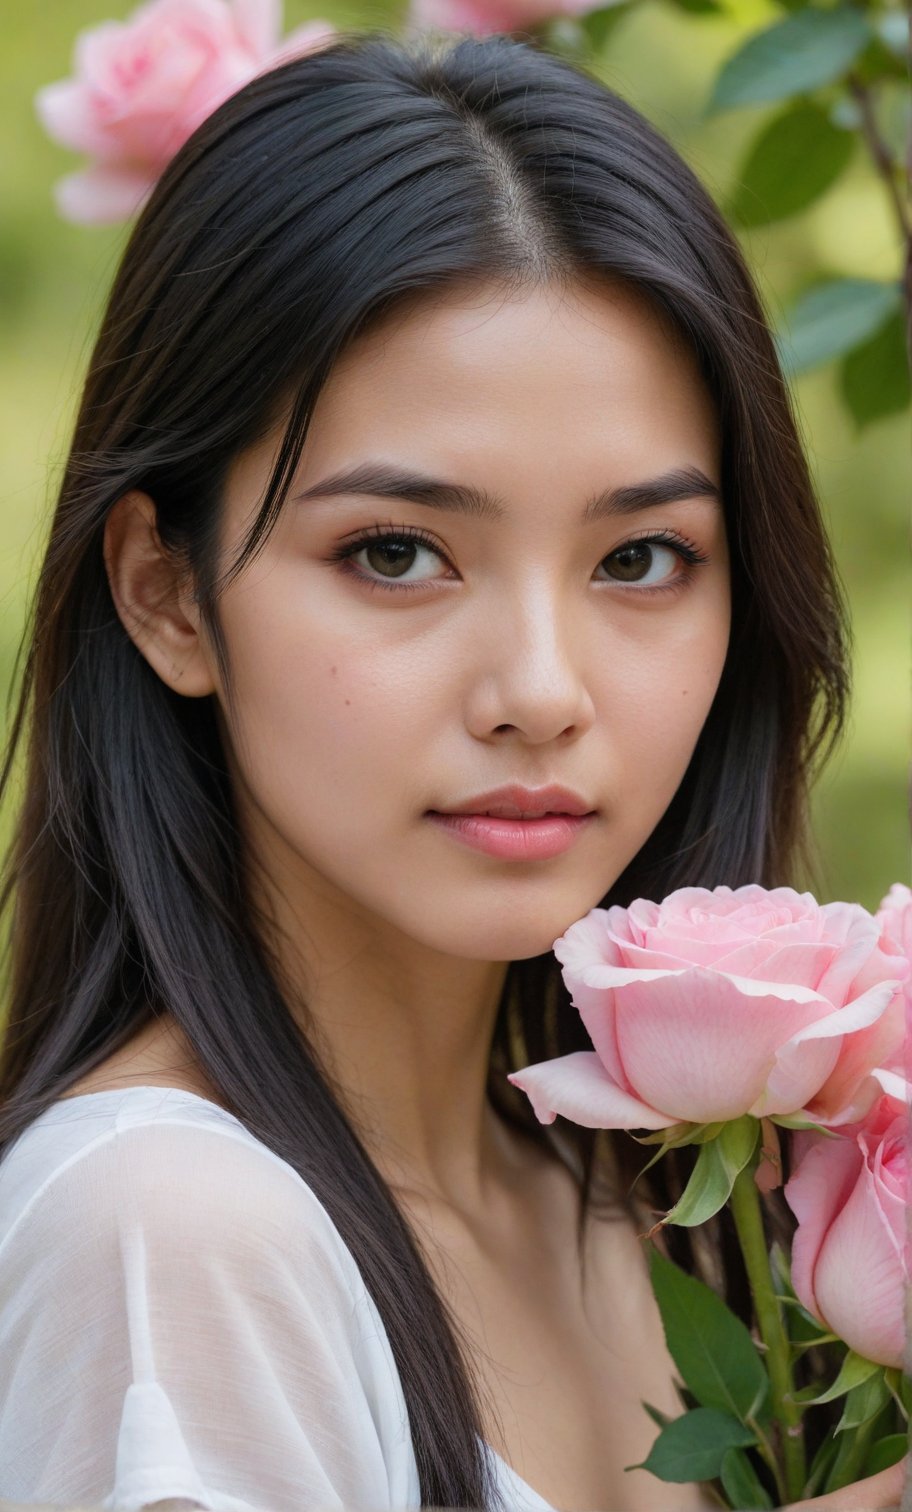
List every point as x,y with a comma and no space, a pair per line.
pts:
390,554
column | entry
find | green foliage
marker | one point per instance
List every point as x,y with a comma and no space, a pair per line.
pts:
598,24
661,1419
806,49
741,1483
852,1450
713,1176
864,1401
874,376
823,1462
795,158
853,1371
711,1347
886,1452
833,317
693,1446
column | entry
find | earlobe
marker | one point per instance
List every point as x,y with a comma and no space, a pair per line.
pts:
153,602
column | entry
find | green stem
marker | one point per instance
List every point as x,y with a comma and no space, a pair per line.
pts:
748,1216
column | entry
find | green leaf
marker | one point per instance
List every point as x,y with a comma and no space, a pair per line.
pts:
672,1137
886,1452
700,7
795,1121
804,1328
853,1370
661,1419
703,1133
805,50
711,1347
874,377
820,1466
843,1470
713,1176
879,62
693,1446
796,157
832,318
905,1391
741,1483
598,25
674,1134
864,1402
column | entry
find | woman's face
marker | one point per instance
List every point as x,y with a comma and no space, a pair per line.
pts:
520,643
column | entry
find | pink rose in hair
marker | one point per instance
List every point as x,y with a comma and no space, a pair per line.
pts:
141,87
716,1003
483,17
851,1260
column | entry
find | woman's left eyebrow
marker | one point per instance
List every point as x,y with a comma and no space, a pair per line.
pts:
380,480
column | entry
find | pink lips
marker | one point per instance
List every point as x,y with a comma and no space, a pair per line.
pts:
515,839
517,823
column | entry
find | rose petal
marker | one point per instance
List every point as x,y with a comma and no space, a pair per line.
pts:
823,1176
860,934
700,1044
859,1053
258,24
799,1061
802,961
99,195
578,1087
65,111
858,1279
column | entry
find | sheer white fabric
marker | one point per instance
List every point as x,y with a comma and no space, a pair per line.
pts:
181,1323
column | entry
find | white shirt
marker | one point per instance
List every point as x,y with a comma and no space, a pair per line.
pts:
181,1319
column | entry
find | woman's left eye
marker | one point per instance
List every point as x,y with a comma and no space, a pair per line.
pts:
391,553
635,562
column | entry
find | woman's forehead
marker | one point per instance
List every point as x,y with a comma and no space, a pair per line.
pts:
541,370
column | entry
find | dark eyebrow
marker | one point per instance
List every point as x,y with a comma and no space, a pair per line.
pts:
386,482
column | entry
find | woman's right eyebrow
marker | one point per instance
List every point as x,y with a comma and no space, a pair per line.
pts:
384,481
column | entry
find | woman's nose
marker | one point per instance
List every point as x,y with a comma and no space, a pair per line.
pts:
531,669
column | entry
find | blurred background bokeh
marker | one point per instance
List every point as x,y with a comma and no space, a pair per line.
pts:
664,57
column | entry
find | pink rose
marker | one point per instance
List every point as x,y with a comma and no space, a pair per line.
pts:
142,86
483,17
851,1252
716,1003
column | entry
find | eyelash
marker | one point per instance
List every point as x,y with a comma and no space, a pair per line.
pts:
690,555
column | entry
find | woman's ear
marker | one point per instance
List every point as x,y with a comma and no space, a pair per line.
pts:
153,598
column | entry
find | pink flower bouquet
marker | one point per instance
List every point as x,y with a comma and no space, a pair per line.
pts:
719,1018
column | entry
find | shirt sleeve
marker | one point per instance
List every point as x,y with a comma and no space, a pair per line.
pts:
182,1321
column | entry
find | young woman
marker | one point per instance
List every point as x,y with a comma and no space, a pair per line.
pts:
433,459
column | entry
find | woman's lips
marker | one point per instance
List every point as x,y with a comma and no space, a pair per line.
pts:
515,839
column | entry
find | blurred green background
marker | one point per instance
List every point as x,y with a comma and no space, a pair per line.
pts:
54,276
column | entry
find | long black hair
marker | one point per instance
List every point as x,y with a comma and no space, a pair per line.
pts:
297,214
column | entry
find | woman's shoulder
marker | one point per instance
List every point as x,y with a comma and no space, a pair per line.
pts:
221,1318
171,1163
